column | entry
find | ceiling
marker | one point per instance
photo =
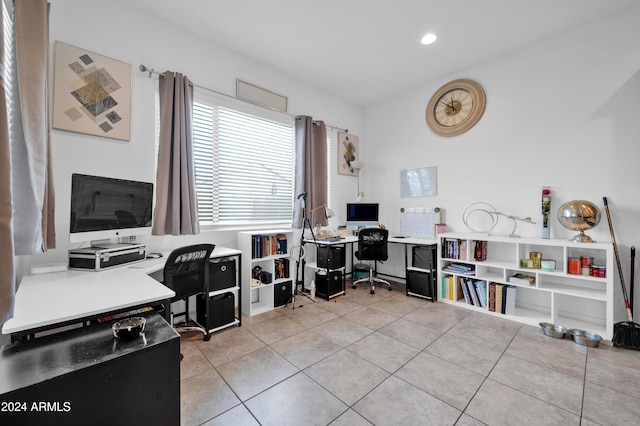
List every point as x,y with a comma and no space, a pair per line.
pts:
367,50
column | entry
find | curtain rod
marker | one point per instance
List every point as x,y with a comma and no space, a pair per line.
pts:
152,72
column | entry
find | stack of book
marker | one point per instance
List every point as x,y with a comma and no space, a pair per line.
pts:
502,298
522,279
448,288
453,248
458,268
474,291
268,245
281,268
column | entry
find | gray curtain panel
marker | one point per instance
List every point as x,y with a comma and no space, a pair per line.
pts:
26,176
7,276
33,198
310,169
176,210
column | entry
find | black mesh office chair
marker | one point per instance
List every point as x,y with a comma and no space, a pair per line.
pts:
187,273
372,245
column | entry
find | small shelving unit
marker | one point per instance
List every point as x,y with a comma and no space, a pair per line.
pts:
421,272
267,249
571,300
224,292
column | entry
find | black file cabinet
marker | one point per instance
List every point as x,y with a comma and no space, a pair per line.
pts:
221,310
329,284
421,275
331,256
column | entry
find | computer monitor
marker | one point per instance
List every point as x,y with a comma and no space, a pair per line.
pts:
106,208
362,214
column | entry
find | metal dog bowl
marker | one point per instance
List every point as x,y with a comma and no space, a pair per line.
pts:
553,330
129,328
585,338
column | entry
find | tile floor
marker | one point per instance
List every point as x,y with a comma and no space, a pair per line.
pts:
389,359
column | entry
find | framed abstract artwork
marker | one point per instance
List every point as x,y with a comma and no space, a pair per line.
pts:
91,93
348,151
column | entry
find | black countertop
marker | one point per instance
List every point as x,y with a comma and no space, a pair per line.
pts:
26,363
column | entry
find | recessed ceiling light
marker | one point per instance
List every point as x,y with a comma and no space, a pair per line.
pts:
428,38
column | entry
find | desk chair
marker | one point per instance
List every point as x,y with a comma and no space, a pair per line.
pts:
372,245
187,273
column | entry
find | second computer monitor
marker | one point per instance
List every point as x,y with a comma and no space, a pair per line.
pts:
362,214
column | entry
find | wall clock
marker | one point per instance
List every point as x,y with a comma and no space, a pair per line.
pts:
456,107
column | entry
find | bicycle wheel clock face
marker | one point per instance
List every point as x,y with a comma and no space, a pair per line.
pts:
456,107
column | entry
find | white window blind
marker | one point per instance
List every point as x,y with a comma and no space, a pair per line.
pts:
8,58
244,161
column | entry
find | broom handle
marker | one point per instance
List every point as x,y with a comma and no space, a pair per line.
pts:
631,280
615,251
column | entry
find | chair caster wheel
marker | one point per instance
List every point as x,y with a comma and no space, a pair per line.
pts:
353,286
207,338
373,292
389,288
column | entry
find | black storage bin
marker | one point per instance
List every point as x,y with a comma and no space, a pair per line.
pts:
282,293
421,284
331,257
221,310
424,257
222,274
329,285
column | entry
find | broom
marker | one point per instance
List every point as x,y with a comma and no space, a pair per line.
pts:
626,334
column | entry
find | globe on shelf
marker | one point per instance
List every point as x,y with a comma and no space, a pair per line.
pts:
579,215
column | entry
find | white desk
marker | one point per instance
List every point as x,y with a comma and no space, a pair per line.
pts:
50,300
352,239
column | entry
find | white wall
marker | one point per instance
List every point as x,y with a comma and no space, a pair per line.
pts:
133,37
564,112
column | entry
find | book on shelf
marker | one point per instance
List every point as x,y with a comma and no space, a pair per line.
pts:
268,245
481,290
498,298
281,244
453,248
449,292
462,286
522,279
504,298
510,300
472,293
445,287
480,251
492,297
458,268
281,268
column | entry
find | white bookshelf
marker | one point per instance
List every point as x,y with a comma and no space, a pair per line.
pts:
259,299
570,300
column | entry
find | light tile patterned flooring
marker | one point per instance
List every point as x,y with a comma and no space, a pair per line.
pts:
389,359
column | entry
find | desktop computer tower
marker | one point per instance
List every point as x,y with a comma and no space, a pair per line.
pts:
331,257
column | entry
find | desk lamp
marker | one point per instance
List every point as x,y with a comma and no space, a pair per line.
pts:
327,212
357,166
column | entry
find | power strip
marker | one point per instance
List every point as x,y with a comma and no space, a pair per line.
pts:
48,268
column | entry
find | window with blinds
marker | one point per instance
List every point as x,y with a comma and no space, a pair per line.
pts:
244,161
8,58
